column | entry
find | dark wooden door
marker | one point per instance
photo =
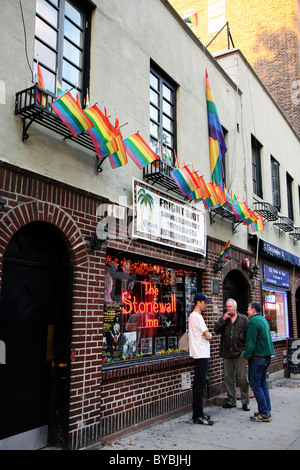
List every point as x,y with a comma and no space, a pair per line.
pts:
34,325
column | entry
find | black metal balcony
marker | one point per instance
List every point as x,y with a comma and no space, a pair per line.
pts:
267,211
159,172
295,234
28,106
225,211
285,225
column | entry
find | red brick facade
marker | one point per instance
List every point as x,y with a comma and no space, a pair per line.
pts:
106,400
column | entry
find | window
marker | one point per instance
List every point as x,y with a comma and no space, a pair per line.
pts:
275,183
275,310
61,43
146,308
163,115
289,186
256,166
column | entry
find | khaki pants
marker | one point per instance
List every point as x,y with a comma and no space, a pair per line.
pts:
236,367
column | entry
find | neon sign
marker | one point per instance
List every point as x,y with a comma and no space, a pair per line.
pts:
131,305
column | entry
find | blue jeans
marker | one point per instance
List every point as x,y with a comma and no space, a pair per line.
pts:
258,382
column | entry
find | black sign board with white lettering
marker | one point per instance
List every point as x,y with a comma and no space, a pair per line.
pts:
293,356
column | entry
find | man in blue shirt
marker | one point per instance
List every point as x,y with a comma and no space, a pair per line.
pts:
258,351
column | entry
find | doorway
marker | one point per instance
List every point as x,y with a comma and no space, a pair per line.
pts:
236,287
35,326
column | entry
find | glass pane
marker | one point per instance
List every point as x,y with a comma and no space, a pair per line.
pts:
47,12
153,113
168,140
153,82
73,14
167,93
153,130
153,145
72,53
154,97
49,78
73,33
167,124
46,55
71,74
167,108
44,32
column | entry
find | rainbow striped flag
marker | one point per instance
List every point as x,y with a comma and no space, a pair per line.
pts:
105,131
39,79
139,151
193,19
71,114
201,192
225,252
216,198
258,224
217,145
103,134
118,158
59,90
184,179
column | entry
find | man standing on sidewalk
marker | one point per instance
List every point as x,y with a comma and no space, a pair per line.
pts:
232,326
199,347
258,351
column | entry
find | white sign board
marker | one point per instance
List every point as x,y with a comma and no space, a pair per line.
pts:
159,218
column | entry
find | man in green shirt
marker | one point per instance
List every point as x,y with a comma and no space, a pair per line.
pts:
257,354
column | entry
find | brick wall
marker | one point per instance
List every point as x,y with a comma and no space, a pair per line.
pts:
266,33
104,401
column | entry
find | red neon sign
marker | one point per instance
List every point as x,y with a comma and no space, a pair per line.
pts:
132,306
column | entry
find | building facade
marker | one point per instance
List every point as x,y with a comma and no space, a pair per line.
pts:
266,33
94,300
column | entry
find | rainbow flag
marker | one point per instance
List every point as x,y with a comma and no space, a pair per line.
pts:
193,19
104,130
71,114
102,149
39,79
258,224
139,151
59,91
118,158
201,192
184,179
225,252
217,145
216,199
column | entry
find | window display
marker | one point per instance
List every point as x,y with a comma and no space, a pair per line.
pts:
146,308
275,310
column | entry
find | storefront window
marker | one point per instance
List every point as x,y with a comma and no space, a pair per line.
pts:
275,310
146,308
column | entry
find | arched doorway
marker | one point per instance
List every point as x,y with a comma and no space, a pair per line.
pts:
236,287
35,326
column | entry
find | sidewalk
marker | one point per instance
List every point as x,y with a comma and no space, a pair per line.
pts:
232,429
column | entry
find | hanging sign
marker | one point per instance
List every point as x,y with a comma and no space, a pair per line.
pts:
162,219
276,276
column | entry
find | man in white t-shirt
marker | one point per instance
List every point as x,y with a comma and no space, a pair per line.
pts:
199,346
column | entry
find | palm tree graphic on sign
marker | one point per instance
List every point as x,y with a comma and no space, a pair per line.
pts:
144,199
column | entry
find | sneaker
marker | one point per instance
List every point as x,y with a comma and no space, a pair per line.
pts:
229,406
246,408
260,418
203,420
